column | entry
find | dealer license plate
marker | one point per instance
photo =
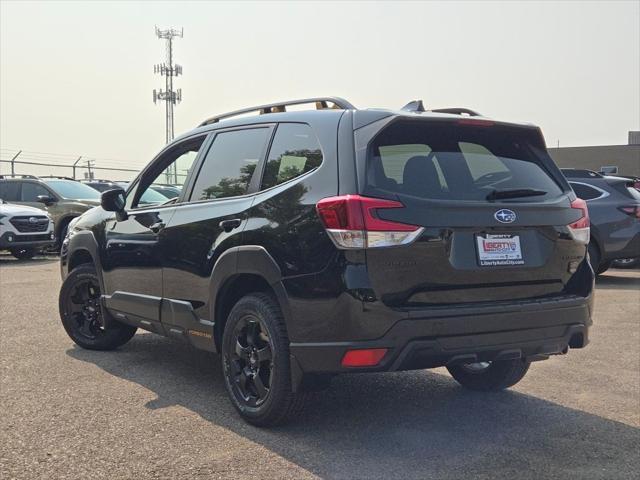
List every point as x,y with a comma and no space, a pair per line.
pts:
495,250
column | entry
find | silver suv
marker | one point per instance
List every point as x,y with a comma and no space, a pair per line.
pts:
24,230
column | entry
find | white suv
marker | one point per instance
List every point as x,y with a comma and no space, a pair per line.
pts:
24,230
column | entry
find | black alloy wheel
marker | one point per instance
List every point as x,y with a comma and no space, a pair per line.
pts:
250,362
256,362
84,303
82,314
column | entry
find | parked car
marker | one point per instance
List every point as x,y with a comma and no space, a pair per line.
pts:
614,211
101,185
169,191
63,198
24,230
311,243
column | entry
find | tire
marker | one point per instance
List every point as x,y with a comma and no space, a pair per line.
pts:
255,362
81,312
603,267
23,253
594,257
490,376
626,263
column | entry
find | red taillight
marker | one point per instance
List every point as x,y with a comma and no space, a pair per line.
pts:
369,357
352,222
476,122
634,210
580,229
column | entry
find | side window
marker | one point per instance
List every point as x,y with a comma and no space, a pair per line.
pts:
10,191
229,165
295,150
31,191
585,192
160,187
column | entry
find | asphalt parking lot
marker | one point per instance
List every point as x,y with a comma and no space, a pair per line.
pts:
157,408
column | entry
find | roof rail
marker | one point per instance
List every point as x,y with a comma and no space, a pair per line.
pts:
321,103
59,177
457,111
7,175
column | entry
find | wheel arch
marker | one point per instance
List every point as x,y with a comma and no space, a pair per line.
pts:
238,272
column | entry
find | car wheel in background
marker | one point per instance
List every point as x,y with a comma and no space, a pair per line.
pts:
23,253
626,263
490,376
81,313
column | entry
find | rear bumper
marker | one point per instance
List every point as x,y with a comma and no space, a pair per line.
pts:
531,330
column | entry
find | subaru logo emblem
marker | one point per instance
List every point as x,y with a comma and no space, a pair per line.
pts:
505,216
33,220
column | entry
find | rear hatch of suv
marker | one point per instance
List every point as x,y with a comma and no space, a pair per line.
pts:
491,215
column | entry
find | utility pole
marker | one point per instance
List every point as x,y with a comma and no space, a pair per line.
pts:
169,96
74,166
13,163
90,164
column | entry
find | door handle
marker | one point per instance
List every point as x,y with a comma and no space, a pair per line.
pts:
156,227
228,225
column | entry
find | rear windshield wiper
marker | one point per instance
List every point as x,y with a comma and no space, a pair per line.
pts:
514,193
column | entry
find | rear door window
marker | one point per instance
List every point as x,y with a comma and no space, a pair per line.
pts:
456,162
31,191
230,162
10,191
295,151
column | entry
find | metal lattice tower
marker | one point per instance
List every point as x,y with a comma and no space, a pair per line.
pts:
168,96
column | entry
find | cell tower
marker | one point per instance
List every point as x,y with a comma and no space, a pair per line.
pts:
168,70
169,96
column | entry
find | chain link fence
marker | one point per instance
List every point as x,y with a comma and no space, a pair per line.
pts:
16,162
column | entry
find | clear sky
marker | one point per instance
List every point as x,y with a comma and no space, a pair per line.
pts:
77,77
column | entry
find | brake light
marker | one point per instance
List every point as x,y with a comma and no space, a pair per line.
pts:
352,222
580,229
633,210
476,122
369,357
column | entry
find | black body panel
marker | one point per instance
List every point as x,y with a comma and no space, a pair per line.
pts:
172,269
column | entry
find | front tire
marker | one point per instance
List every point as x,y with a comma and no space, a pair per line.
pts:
490,376
255,362
81,312
23,253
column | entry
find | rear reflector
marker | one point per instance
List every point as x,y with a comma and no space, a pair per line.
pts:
580,229
352,222
363,358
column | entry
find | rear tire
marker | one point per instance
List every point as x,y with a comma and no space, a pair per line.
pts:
594,257
255,362
23,253
493,377
626,263
81,312
603,267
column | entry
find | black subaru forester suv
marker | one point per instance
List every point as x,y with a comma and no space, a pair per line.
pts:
308,243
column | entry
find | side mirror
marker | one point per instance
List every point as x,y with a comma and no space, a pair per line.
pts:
114,201
46,199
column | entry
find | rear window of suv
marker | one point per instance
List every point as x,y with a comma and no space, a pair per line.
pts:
456,162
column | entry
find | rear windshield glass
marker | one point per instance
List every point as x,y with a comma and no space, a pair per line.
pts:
74,190
457,162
